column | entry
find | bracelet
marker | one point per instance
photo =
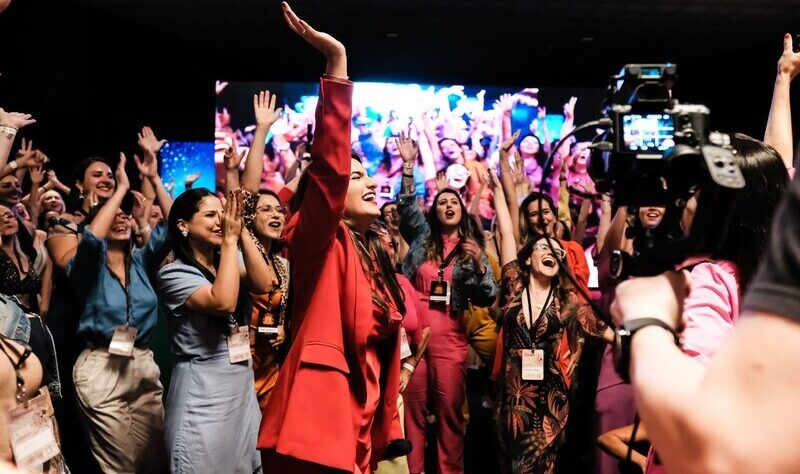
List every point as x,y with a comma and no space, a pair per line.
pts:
13,164
8,131
408,367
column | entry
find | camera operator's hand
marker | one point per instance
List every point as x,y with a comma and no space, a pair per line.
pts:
789,62
659,297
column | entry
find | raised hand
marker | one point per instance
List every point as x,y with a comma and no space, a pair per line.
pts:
505,103
149,167
220,86
148,141
232,158
15,119
491,180
541,113
789,62
191,178
407,147
505,147
120,175
264,107
333,50
139,206
232,218
37,175
569,108
442,182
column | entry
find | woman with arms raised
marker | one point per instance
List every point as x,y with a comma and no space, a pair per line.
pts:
333,405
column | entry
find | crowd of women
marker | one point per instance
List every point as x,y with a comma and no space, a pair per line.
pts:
320,328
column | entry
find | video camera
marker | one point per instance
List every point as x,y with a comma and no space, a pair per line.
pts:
656,152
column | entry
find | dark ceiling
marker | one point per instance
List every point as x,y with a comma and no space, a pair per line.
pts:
93,71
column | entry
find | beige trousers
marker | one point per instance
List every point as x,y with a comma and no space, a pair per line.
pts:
396,465
120,398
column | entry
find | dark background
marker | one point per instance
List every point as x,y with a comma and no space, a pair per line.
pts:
94,71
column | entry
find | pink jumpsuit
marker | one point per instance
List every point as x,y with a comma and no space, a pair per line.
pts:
439,377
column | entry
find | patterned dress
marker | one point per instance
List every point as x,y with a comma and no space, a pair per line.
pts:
531,415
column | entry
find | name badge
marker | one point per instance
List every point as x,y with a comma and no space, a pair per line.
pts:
440,293
269,331
30,427
405,349
532,364
239,345
123,341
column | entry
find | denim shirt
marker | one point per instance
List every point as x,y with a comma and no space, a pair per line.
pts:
106,303
466,287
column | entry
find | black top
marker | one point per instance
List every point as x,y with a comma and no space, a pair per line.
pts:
776,288
11,282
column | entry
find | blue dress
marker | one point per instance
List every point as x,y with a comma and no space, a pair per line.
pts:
212,416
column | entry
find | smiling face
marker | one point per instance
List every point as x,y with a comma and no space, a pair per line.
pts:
450,149
8,222
448,210
547,216
98,178
543,261
204,228
391,147
360,204
52,201
270,217
651,216
10,192
155,217
529,146
22,212
581,157
120,230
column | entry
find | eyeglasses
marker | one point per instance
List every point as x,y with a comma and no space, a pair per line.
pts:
544,247
270,209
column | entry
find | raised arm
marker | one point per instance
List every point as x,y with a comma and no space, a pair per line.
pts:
266,115
10,123
779,123
507,181
149,168
412,222
505,104
108,211
506,240
323,200
220,297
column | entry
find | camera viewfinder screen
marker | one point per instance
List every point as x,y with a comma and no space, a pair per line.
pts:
648,133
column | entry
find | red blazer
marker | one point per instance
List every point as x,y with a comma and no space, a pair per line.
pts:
314,412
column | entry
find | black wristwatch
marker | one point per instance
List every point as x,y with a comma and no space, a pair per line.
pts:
624,335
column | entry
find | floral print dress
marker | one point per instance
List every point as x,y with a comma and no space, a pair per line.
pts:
531,414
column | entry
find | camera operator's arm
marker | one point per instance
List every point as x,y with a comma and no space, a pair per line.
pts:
695,417
779,123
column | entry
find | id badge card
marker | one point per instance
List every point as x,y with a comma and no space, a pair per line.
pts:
405,349
532,364
440,293
239,345
30,428
269,331
123,341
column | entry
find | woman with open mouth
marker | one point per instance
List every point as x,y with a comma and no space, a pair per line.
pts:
264,219
116,379
537,305
446,263
333,405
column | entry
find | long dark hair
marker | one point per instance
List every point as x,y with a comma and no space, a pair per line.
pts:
562,284
183,208
386,274
434,247
733,224
75,198
524,228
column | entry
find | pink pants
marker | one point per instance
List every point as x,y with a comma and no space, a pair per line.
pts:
440,379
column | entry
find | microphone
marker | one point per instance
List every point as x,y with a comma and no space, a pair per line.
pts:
54,221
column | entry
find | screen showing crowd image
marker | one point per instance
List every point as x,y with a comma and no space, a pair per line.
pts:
466,121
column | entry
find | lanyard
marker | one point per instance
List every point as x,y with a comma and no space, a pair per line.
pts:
532,329
448,260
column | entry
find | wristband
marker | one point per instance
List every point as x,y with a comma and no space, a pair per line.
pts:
13,164
624,337
408,367
8,131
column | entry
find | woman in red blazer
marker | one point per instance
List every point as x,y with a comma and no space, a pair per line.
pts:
332,407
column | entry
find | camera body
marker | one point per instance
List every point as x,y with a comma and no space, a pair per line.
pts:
656,153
